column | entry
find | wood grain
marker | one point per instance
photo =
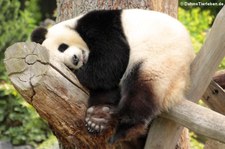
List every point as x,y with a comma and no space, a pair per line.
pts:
53,91
198,119
208,59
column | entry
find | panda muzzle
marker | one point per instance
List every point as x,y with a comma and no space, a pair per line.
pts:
75,60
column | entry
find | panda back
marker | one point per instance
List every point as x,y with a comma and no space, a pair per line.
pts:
155,37
163,46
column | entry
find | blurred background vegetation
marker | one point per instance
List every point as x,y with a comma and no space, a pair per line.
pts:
19,122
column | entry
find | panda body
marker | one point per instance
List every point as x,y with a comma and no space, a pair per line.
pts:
135,62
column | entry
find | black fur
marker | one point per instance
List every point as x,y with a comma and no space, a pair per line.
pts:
137,104
109,51
38,35
109,56
108,97
62,47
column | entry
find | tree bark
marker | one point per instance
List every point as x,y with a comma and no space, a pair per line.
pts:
60,101
219,78
70,8
214,98
212,144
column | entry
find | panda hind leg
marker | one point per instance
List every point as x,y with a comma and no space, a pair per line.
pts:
137,107
101,109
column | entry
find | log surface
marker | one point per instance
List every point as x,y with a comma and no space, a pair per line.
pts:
199,119
53,91
214,97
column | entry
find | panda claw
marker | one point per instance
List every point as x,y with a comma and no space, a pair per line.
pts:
89,123
93,125
89,129
102,128
97,128
98,118
90,110
87,119
105,109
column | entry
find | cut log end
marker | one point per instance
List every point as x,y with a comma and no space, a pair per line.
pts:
54,92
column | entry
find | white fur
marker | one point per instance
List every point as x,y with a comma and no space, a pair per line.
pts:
64,33
165,46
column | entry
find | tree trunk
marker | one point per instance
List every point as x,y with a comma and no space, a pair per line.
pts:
70,8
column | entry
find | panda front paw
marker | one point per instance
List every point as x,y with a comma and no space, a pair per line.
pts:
98,118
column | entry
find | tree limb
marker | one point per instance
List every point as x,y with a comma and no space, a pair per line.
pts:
53,91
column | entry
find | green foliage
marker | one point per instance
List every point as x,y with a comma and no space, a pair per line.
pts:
212,9
19,122
195,144
16,25
34,9
50,143
198,23
222,64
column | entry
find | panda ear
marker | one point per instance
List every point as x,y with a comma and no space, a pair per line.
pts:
38,35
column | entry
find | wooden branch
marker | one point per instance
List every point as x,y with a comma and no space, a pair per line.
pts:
208,59
203,68
199,119
212,144
53,91
183,114
214,97
219,78
59,98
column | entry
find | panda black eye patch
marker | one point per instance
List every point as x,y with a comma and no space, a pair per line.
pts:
62,47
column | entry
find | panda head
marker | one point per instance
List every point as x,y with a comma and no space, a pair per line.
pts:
64,43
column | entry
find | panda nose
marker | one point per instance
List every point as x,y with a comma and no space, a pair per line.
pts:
75,60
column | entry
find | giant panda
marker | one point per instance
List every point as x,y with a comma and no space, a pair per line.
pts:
135,63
